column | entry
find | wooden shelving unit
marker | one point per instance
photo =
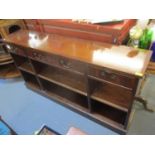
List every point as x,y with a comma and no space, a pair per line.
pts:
64,73
70,89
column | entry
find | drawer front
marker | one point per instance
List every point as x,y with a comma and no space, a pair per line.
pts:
58,61
42,57
111,76
71,64
17,50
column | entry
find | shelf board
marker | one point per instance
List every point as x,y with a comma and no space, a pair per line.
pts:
102,80
57,97
68,102
110,96
26,66
109,103
32,85
108,121
65,80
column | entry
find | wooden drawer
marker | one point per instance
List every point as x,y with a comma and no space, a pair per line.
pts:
112,76
17,50
42,57
71,64
58,61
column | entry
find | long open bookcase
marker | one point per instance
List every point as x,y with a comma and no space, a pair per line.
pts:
101,93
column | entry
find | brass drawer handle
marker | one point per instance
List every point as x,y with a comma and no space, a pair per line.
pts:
65,64
105,73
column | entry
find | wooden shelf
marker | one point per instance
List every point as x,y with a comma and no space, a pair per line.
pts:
23,63
65,79
19,60
102,80
32,85
97,98
113,96
30,79
111,114
26,66
66,95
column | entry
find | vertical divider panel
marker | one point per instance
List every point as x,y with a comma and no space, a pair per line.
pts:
88,90
130,108
36,75
13,55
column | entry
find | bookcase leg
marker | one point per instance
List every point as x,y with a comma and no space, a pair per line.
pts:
145,103
140,99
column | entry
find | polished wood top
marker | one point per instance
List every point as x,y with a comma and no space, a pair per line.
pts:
120,58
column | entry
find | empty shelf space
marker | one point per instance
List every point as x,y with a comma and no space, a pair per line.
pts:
19,59
114,96
65,96
102,80
30,79
108,113
109,103
23,63
66,79
26,66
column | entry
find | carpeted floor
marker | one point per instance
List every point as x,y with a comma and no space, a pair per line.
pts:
144,121
26,111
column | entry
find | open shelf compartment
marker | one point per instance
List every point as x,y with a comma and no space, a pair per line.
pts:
23,63
112,115
30,80
65,96
63,78
110,94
